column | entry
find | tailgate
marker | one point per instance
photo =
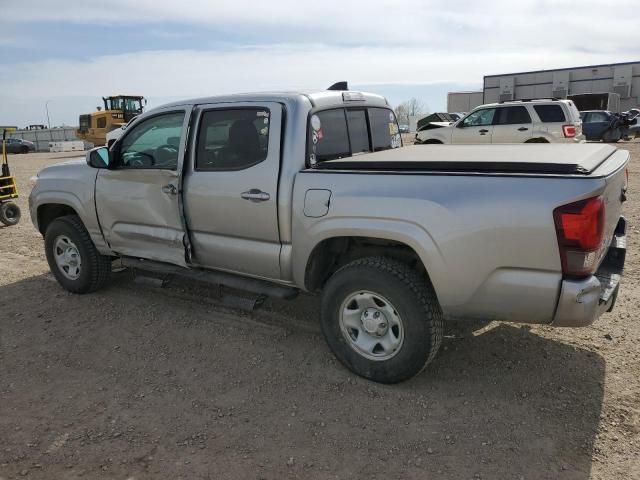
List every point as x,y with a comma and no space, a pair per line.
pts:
615,172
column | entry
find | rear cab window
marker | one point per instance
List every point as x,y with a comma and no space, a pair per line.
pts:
551,113
346,132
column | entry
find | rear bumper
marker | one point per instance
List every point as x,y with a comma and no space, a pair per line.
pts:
582,301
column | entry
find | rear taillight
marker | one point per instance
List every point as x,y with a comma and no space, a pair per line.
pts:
580,230
569,131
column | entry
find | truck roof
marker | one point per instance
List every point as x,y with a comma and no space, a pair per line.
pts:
316,98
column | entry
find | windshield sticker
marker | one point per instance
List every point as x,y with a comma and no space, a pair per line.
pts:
320,135
393,128
396,142
312,159
392,117
315,122
314,137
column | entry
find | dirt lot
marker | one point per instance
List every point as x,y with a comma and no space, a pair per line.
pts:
139,382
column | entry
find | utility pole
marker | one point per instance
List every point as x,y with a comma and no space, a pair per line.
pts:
46,106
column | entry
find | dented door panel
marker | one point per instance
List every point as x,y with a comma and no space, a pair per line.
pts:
140,210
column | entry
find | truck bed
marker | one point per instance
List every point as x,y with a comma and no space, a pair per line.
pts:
559,159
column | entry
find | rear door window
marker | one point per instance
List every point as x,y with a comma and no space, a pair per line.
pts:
513,115
550,113
232,139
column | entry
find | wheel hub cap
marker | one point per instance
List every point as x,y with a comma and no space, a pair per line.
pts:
371,325
374,322
67,257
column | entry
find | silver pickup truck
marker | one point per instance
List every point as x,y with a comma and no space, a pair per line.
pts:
278,193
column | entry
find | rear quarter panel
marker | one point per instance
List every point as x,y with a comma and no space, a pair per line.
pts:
487,242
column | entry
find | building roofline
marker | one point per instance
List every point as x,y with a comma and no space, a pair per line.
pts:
563,69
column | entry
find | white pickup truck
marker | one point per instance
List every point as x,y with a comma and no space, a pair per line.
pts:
284,192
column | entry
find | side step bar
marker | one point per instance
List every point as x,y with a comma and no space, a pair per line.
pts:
253,285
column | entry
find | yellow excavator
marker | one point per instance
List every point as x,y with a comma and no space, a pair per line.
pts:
117,111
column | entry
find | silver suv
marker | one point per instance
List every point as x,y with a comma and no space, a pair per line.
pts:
523,121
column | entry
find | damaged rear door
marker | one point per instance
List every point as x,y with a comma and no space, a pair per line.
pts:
138,198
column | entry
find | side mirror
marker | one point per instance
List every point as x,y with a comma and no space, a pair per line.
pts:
98,157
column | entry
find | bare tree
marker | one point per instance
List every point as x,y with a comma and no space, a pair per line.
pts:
410,108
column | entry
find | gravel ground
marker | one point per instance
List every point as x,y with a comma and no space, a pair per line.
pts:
141,382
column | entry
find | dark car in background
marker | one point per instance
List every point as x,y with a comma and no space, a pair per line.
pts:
598,124
18,145
595,123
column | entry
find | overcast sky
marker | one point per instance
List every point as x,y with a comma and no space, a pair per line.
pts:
72,52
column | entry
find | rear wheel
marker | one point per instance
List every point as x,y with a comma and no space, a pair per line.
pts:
381,319
9,213
73,258
24,149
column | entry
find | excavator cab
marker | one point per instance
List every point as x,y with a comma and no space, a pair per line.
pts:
130,106
118,111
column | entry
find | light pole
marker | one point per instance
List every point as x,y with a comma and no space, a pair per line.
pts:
46,106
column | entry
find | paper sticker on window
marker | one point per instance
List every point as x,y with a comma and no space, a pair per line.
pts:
392,117
396,142
393,128
315,122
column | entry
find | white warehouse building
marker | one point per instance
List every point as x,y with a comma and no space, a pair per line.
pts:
619,80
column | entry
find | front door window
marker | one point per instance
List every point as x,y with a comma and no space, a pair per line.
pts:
153,143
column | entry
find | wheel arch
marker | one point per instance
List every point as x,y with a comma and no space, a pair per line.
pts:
538,139
47,205
48,212
333,251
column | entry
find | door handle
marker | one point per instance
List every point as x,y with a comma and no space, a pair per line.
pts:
483,131
523,129
170,189
255,195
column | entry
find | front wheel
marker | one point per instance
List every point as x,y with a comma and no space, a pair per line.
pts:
9,213
73,258
381,319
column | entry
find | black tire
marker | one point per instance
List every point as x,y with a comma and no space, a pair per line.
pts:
410,296
95,268
431,142
9,213
537,140
24,149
